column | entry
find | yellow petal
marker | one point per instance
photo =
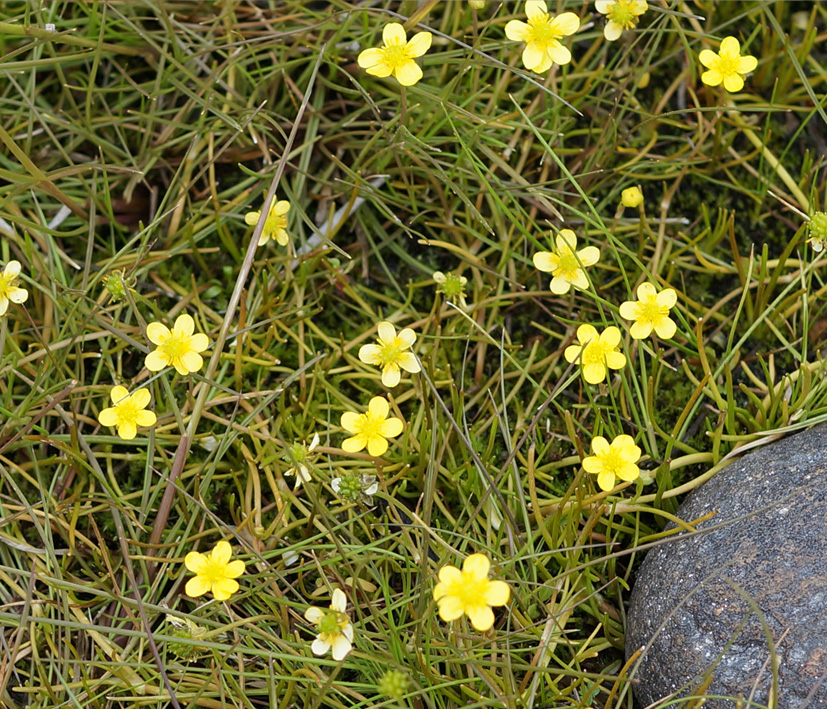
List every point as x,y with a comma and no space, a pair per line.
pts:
370,354
370,58
341,647
516,30
409,363
477,565
108,417
497,593
141,398
391,375
615,360
628,310
545,261
746,64
199,342
533,55
251,218
558,54
586,333
18,295
145,418
386,332
572,353
127,430
419,44
376,446
535,10
197,586
184,325
117,394
733,83
667,298
392,427
612,30
407,337
589,256
157,333
408,73
666,328
351,422
594,373
224,588
482,617
708,58
354,444
393,34
730,47
221,553
451,608
156,360
314,615
640,330
378,407
448,575
565,24
189,362
606,481
713,77
12,269
559,285
195,561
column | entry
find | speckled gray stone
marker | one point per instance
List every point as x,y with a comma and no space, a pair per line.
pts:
697,599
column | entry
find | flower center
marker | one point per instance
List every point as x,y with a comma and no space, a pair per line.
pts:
5,284
176,346
650,311
727,65
128,412
332,623
542,30
396,55
469,590
611,460
594,352
621,13
370,426
213,571
567,263
275,222
390,351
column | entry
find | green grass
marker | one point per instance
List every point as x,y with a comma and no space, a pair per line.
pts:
134,139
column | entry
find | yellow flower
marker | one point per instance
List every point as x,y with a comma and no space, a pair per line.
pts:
651,312
390,353
542,36
214,573
631,197
596,352
397,56
275,226
178,348
566,264
470,592
370,429
127,412
9,291
335,630
616,460
727,65
621,14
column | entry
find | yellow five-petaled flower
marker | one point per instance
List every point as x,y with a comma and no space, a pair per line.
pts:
621,15
542,34
128,411
214,573
8,291
470,592
335,629
650,312
617,459
397,56
391,353
275,225
370,429
727,66
566,264
178,348
596,353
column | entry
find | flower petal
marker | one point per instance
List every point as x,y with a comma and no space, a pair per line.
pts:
733,83
517,31
195,561
594,373
224,588
197,586
118,393
535,10
586,333
640,330
713,77
319,646
18,295
338,601
419,44
341,647
386,332
589,256
370,354
391,375
370,58
199,342
392,427
667,298
497,593
451,608
184,324
234,569
409,362
708,58
565,24
189,362
482,617
156,360
612,31
376,446
394,33
351,421
448,575
533,56
746,64
221,553
251,218
560,286
378,407
545,261
558,54
157,333
666,329
477,565
127,430
407,337
314,615
108,417
606,480
141,398
408,73
354,444
145,418
730,46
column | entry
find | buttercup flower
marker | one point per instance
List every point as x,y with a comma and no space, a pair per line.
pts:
9,291
214,573
727,66
621,15
818,231
390,354
631,197
178,348
617,459
596,353
299,455
275,226
370,429
335,630
470,592
566,264
451,286
128,411
542,36
397,56
651,312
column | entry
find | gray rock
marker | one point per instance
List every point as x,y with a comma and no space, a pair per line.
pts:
725,604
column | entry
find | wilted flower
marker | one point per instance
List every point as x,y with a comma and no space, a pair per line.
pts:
299,456
452,287
360,487
8,291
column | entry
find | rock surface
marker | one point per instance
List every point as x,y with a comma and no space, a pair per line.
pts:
751,591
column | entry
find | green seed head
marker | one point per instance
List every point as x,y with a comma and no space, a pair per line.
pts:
393,684
818,226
